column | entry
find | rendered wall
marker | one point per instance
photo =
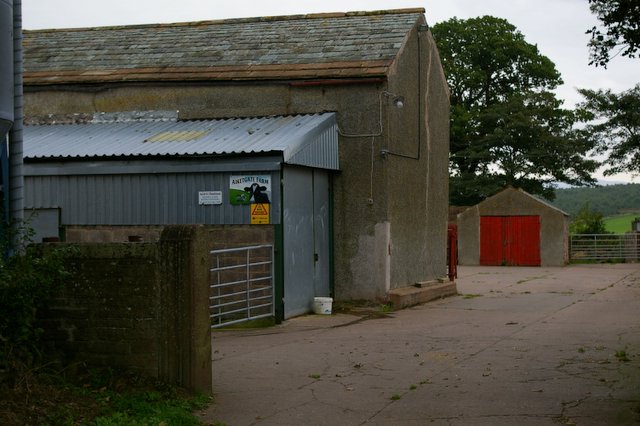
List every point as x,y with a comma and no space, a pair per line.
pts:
418,180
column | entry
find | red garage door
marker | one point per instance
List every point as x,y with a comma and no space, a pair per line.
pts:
510,240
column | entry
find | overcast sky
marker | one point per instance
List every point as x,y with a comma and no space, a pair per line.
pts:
557,27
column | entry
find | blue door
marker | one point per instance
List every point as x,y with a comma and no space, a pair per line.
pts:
306,231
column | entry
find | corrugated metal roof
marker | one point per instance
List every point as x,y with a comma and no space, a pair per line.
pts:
301,46
310,140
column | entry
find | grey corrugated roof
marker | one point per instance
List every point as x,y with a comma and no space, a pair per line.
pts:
302,46
309,140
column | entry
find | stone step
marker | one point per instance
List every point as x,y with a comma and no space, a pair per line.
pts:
421,293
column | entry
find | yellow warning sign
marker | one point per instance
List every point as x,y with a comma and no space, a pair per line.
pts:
260,214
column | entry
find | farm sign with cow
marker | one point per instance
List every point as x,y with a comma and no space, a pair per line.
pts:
250,189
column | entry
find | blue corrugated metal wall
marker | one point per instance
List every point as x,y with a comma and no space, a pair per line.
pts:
142,199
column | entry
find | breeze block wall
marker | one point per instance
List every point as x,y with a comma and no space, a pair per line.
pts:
140,306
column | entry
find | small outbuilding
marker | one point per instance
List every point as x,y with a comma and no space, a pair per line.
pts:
513,228
96,180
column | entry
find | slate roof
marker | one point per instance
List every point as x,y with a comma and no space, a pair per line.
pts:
339,45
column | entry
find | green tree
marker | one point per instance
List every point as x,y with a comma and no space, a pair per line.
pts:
614,127
620,30
588,221
507,127
608,200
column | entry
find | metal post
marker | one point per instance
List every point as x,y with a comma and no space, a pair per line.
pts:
248,274
16,178
6,107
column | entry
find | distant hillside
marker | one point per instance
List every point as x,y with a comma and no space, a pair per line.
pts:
608,200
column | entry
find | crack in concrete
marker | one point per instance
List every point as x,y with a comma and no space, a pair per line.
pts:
566,405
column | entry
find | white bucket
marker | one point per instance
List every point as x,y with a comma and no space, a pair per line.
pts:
322,305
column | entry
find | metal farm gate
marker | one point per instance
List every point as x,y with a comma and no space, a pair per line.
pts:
604,247
241,285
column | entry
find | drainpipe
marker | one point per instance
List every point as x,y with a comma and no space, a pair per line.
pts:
16,178
6,97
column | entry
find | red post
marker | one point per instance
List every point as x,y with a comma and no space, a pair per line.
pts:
452,253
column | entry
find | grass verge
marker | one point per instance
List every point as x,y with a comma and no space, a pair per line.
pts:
100,397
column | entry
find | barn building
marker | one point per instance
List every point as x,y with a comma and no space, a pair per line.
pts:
343,116
513,228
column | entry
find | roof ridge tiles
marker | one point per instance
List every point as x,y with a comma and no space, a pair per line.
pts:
324,15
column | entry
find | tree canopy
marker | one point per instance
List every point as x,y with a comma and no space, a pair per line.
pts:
588,221
614,127
609,200
620,31
507,126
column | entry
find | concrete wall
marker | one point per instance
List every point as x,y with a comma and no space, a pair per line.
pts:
111,234
109,312
143,306
140,306
389,210
554,226
418,180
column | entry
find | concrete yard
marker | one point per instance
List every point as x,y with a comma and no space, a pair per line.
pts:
517,346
